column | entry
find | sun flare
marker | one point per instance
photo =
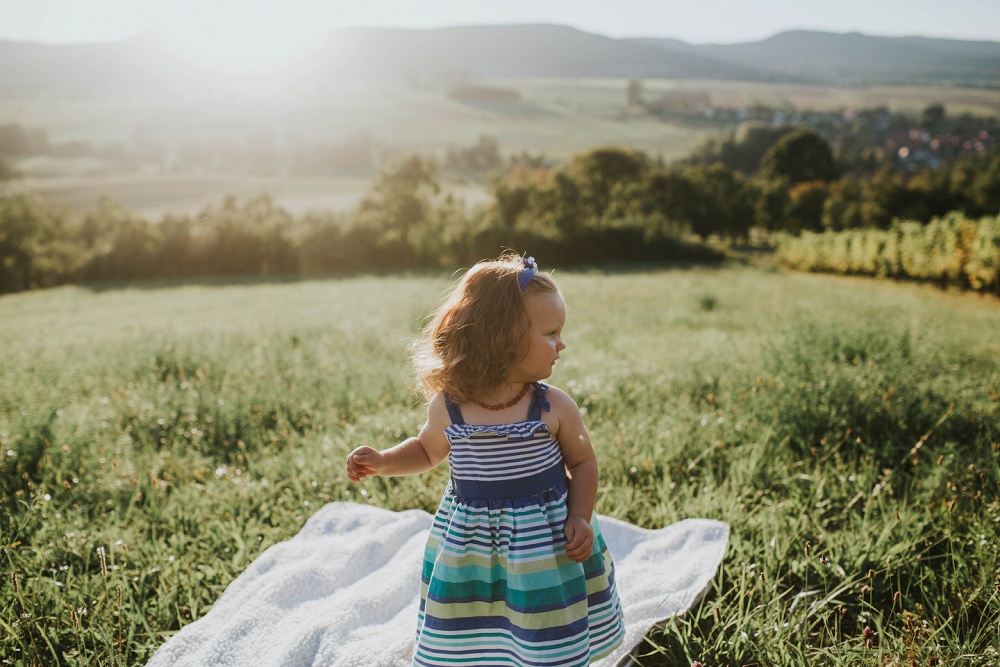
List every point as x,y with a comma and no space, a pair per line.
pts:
247,51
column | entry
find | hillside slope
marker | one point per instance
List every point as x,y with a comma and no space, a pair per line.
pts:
146,62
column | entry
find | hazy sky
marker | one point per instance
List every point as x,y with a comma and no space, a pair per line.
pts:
253,32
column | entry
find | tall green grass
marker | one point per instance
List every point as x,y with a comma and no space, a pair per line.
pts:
153,441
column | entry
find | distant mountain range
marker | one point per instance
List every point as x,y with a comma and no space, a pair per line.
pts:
145,62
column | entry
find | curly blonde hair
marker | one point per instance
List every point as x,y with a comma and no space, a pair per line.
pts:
480,330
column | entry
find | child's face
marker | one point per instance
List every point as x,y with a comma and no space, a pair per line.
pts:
547,314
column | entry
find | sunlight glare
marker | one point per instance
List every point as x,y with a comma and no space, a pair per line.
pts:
242,51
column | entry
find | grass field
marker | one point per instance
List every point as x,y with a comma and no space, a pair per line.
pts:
155,439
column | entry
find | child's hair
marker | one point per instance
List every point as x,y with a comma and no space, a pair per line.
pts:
479,332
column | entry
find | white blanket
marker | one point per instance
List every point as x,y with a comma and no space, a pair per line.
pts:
344,591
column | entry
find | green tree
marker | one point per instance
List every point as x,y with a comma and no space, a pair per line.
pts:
930,195
598,171
7,171
177,247
249,238
805,205
400,198
741,149
722,202
932,117
842,208
631,200
511,199
770,203
798,157
672,194
39,247
962,178
121,246
884,195
558,206
985,189
484,156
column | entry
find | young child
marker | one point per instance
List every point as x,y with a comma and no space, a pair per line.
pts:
515,570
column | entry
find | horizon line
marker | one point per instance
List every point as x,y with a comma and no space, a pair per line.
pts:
153,32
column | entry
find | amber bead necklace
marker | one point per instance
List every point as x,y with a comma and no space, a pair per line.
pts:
512,402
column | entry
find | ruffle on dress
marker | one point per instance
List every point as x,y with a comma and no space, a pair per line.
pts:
516,431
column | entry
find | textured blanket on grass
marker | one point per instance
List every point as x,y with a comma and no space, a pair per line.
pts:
345,591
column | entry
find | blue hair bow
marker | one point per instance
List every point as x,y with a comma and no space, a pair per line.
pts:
529,271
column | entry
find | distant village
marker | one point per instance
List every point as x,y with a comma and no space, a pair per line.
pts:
876,135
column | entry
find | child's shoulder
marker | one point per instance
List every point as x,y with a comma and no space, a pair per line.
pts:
559,400
563,412
438,400
437,408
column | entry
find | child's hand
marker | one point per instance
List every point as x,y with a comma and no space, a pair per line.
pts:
364,462
579,538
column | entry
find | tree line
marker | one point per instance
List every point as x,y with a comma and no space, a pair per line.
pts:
609,204
405,222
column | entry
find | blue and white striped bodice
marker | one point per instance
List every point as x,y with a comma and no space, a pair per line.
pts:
504,460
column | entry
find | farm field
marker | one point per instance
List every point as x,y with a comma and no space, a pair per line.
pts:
558,117
153,196
814,97
846,429
554,117
397,118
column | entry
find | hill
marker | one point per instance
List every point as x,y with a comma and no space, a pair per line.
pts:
142,62
856,58
147,62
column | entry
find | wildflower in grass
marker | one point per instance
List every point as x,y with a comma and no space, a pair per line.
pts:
104,562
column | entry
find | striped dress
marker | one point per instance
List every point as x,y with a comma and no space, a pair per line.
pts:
496,586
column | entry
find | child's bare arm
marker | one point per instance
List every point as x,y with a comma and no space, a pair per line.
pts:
410,457
578,453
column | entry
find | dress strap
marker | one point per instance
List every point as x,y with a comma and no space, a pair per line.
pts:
539,402
453,411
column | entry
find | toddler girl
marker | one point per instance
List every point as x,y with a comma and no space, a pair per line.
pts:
515,570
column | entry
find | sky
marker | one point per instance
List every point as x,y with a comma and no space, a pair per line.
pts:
261,32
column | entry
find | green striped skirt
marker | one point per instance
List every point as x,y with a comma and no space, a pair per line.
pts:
498,589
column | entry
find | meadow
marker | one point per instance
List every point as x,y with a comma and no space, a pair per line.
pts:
155,438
